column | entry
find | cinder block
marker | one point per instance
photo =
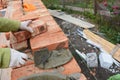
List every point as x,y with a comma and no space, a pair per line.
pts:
20,45
38,27
52,41
69,68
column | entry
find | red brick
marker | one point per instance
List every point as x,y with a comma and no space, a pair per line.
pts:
7,34
31,69
28,16
20,45
38,27
12,38
22,35
71,67
46,18
51,22
3,46
46,13
52,27
50,41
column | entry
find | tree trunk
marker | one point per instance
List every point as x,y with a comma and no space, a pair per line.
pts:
95,7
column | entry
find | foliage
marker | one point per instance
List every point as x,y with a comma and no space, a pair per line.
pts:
111,27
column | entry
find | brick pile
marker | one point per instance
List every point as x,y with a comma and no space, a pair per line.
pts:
47,34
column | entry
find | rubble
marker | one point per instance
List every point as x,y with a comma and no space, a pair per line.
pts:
84,46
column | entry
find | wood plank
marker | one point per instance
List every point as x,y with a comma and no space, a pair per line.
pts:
71,19
106,45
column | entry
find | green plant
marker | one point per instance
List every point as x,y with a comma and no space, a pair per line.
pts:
109,27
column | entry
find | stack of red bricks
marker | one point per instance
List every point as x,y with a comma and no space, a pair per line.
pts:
47,34
19,39
52,36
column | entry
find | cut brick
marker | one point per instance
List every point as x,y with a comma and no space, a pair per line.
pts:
28,70
38,27
50,41
20,45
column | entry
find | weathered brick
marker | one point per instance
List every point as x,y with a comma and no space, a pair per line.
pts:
20,45
50,41
16,37
22,35
38,27
69,68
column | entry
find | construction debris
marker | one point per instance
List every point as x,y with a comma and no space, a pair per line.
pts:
82,46
71,19
92,60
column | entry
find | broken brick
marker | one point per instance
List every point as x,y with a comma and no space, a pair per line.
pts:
38,27
20,45
69,68
50,41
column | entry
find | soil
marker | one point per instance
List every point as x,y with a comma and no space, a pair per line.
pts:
78,42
